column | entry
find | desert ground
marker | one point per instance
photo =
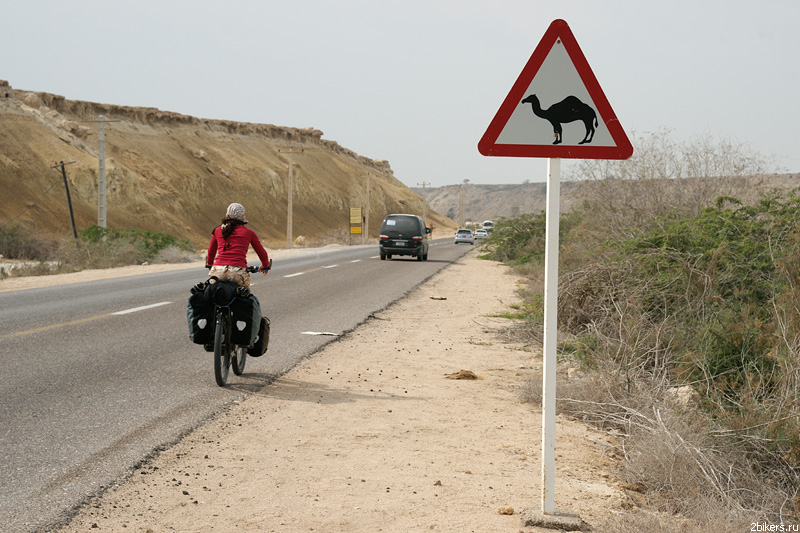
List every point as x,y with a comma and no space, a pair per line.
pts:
372,433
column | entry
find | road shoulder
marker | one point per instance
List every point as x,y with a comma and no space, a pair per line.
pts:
370,434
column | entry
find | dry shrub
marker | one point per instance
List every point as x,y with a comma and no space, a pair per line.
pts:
658,289
82,254
684,463
663,176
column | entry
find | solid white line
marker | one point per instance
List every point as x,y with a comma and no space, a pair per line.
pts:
135,309
293,275
330,266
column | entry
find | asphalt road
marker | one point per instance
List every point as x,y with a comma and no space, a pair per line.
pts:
98,376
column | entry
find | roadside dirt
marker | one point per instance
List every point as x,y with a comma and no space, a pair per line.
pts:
370,434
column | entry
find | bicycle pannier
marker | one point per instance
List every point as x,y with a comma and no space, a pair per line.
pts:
200,315
245,320
262,340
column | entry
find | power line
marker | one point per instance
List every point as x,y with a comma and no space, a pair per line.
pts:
32,205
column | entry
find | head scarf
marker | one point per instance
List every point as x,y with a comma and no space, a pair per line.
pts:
236,212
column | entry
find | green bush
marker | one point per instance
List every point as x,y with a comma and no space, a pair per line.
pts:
96,247
521,239
148,243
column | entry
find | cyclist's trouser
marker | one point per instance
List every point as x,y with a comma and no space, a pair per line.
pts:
238,275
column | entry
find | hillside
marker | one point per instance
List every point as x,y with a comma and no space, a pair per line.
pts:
177,173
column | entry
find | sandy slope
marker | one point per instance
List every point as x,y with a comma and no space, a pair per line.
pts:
370,435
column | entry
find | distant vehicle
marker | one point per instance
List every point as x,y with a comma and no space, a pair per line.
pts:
488,225
404,235
481,234
464,235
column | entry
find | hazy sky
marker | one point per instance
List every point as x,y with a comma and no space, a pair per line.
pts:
417,82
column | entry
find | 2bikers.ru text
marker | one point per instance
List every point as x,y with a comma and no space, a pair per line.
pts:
758,526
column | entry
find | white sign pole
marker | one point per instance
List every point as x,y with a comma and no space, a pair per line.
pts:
101,174
550,336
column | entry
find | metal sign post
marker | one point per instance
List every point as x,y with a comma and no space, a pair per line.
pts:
550,336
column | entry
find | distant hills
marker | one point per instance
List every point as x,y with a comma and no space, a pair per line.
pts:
490,202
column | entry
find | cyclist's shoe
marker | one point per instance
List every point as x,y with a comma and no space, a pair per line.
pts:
209,347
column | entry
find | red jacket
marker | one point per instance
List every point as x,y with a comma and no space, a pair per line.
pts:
234,251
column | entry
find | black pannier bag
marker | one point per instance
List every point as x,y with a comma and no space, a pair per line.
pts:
200,314
245,320
261,343
221,292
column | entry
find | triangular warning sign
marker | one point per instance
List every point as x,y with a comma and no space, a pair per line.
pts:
556,108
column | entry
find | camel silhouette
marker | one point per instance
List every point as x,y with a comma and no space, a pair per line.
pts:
569,109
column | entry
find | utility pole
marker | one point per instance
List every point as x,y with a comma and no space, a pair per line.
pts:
101,174
424,203
102,219
69,200
289,242
365,234
461,206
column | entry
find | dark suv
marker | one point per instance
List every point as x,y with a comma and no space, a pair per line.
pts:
404,235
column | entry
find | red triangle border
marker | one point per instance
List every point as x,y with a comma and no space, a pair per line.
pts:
558,29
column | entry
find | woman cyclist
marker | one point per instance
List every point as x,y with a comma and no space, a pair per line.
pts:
227,251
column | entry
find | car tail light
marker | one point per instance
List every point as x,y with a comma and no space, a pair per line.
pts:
416,238
384,237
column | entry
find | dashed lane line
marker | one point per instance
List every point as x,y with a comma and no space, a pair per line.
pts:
142,308
79,321
53,326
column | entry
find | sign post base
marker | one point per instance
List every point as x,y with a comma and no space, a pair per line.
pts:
562,521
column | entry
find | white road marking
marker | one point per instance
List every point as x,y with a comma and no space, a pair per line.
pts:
293,275
330,266
142,308
356,261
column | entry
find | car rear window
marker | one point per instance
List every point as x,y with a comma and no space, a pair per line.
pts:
404,225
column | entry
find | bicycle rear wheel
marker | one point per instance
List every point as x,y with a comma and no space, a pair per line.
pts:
222,352
238,360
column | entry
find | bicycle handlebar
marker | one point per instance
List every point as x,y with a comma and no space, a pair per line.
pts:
255,269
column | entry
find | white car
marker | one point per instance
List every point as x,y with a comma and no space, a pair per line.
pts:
464,235
481,234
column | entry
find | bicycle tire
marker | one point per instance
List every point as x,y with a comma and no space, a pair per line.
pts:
238,360
222,353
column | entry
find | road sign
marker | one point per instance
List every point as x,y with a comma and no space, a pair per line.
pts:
355,220
556,108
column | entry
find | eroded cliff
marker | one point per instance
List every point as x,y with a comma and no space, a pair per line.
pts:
177,173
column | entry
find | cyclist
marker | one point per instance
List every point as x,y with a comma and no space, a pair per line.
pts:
227,251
